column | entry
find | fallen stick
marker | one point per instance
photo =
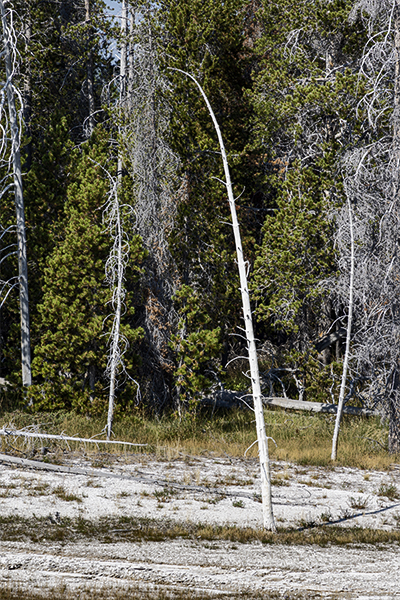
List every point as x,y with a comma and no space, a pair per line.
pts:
66,438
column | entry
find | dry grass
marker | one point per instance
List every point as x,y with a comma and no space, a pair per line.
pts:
302,438
157,593
134,529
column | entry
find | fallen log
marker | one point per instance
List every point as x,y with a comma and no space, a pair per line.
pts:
319,407
7,432
230,399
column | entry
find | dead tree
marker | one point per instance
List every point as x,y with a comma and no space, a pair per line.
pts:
89,71
152,166
13,130
262,439
119,255
348,338
115,276
372,183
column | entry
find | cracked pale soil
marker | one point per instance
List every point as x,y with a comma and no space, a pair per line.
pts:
207,490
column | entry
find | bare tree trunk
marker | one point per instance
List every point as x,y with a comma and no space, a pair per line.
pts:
123,64
268,516
115,227
131,67
348,336
19,207
115,359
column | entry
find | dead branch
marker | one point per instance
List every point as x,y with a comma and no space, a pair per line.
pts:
64,438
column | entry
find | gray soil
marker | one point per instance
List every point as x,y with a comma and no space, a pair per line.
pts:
207,490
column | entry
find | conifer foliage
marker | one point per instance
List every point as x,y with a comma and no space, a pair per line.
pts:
71,358
306,95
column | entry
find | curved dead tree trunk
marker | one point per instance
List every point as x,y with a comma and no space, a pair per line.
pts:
9,45
269,522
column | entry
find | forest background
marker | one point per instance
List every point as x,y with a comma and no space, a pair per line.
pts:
308,101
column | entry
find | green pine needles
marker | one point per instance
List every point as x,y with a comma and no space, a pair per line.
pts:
71,358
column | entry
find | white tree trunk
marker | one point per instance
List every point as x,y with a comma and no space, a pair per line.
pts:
268,516
118,296
348,336
19,205
117,257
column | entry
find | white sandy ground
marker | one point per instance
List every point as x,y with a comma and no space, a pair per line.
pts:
301,496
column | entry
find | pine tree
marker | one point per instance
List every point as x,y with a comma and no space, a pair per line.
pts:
208,40
306,96
53,44
72,355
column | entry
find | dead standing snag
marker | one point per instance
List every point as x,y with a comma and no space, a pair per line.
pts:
268,517
8,36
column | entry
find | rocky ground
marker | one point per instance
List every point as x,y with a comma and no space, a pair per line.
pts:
208,490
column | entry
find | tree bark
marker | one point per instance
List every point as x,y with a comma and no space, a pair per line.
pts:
19,207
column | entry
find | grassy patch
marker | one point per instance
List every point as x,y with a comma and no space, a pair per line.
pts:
132,529
389,490
164,593
300,437
359,502
62,494
238,504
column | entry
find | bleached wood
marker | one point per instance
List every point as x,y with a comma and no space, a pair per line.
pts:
228,399
19,203
268,517
63,438
348,338
116,263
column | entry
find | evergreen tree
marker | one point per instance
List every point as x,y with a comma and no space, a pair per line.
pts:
54,43
71,358
208,40
305,98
